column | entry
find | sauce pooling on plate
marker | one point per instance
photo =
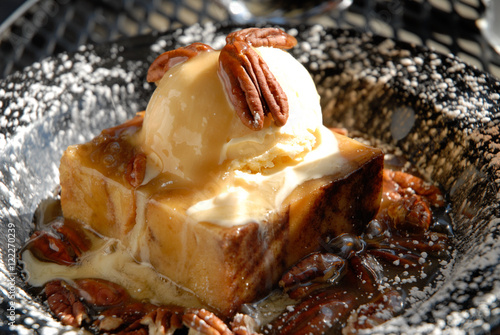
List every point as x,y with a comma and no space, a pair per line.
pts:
228,207
353,282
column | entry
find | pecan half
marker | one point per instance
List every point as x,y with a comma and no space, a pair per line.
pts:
136,170
59,243
410,214
317,314
431,193
169,59
100,292
381,309
243,324
263,37
317,267
139,318
251,87
64,302
205,322
127,317
163,320
366,271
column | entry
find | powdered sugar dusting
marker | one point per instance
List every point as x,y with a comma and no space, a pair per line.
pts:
454,141
52,104
367,83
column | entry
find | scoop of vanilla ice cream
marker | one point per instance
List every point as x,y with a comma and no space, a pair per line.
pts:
191,130
188,120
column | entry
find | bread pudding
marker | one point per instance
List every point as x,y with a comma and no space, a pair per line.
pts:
223,228
229,187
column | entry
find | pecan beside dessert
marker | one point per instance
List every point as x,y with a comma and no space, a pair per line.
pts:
146,245
347,286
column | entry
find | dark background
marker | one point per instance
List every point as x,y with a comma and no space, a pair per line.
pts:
42,28
7,7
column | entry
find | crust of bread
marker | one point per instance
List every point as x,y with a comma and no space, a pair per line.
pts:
224,267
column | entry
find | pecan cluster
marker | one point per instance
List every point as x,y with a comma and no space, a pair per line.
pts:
349,284
250,86
76,304
344,287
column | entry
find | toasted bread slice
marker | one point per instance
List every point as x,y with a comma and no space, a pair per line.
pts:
224,266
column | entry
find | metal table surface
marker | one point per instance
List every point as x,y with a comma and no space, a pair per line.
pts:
34,29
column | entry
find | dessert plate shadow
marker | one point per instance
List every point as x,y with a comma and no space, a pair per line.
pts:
439,113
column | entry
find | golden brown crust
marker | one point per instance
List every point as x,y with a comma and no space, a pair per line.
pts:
225,267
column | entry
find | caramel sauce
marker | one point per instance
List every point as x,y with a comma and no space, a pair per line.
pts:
113,150
103,258
92,276
385,262
367,278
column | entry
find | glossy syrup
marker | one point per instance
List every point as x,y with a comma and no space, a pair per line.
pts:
400,282
275,313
